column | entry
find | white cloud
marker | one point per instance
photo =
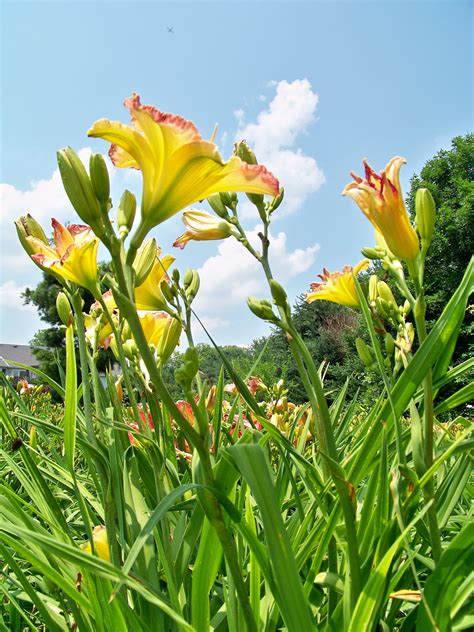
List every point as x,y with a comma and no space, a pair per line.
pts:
274,136
229,277
10,297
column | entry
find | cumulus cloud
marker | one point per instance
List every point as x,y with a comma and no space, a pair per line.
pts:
274,135
10,296
229,277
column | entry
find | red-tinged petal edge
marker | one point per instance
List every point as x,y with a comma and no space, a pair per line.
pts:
255,171
163,118
76,229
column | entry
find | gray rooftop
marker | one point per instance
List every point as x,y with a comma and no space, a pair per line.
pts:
17,353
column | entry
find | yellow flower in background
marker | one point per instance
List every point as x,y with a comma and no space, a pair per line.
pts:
178,166
154,325
73,259
202,226
380,198
337,287
101,545
148,296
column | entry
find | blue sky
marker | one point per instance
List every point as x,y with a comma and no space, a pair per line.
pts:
337,81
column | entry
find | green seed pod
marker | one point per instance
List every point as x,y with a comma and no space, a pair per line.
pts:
99,177
63,307
262,309
425,218
144,261
364,352
126,213
79,189
278,293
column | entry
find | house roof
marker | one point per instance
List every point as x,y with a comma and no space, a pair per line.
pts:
17,353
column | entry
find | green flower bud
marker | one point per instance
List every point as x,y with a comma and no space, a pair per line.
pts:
385,292
364,352
99,177
243,151
144,261
175,275
373,281
32,437
425,218
130,349
167,291
373,253
169,340
278,293
126,213
79,189
217,205
389,343
277,200
63,307
261,308
27,226
188,277
229,199
193,287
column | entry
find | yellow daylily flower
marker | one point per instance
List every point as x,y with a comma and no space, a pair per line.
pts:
202,226
154,325
337,287
101,546
74,258
178,166
148,296
380,198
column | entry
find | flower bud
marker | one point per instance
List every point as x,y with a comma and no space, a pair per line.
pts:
188,277
169,340
385,293
278,293
261,308
217,206
32,437
63,307
193,287
79,189
373,281
27,226
373,253
126,213
99,177
144,261
277,200
389,343
243,151
167,291
425,210
364,352
175,275
229,199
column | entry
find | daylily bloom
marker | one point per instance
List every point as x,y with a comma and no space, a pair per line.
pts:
380,198
178,166
101,546
148,296
75,255
202,226
338,287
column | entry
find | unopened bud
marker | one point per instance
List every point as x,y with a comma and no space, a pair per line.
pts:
277,200
385,292
389,343
167,291
32,437
261,308
188,277
217,205
229,199
130,349
169,340
175,275
373,253
79,189
144,261
425,210
194,285
278,293
126,213
63,307
373,281
364,352
99,177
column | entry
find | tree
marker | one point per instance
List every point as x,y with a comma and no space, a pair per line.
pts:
449,175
